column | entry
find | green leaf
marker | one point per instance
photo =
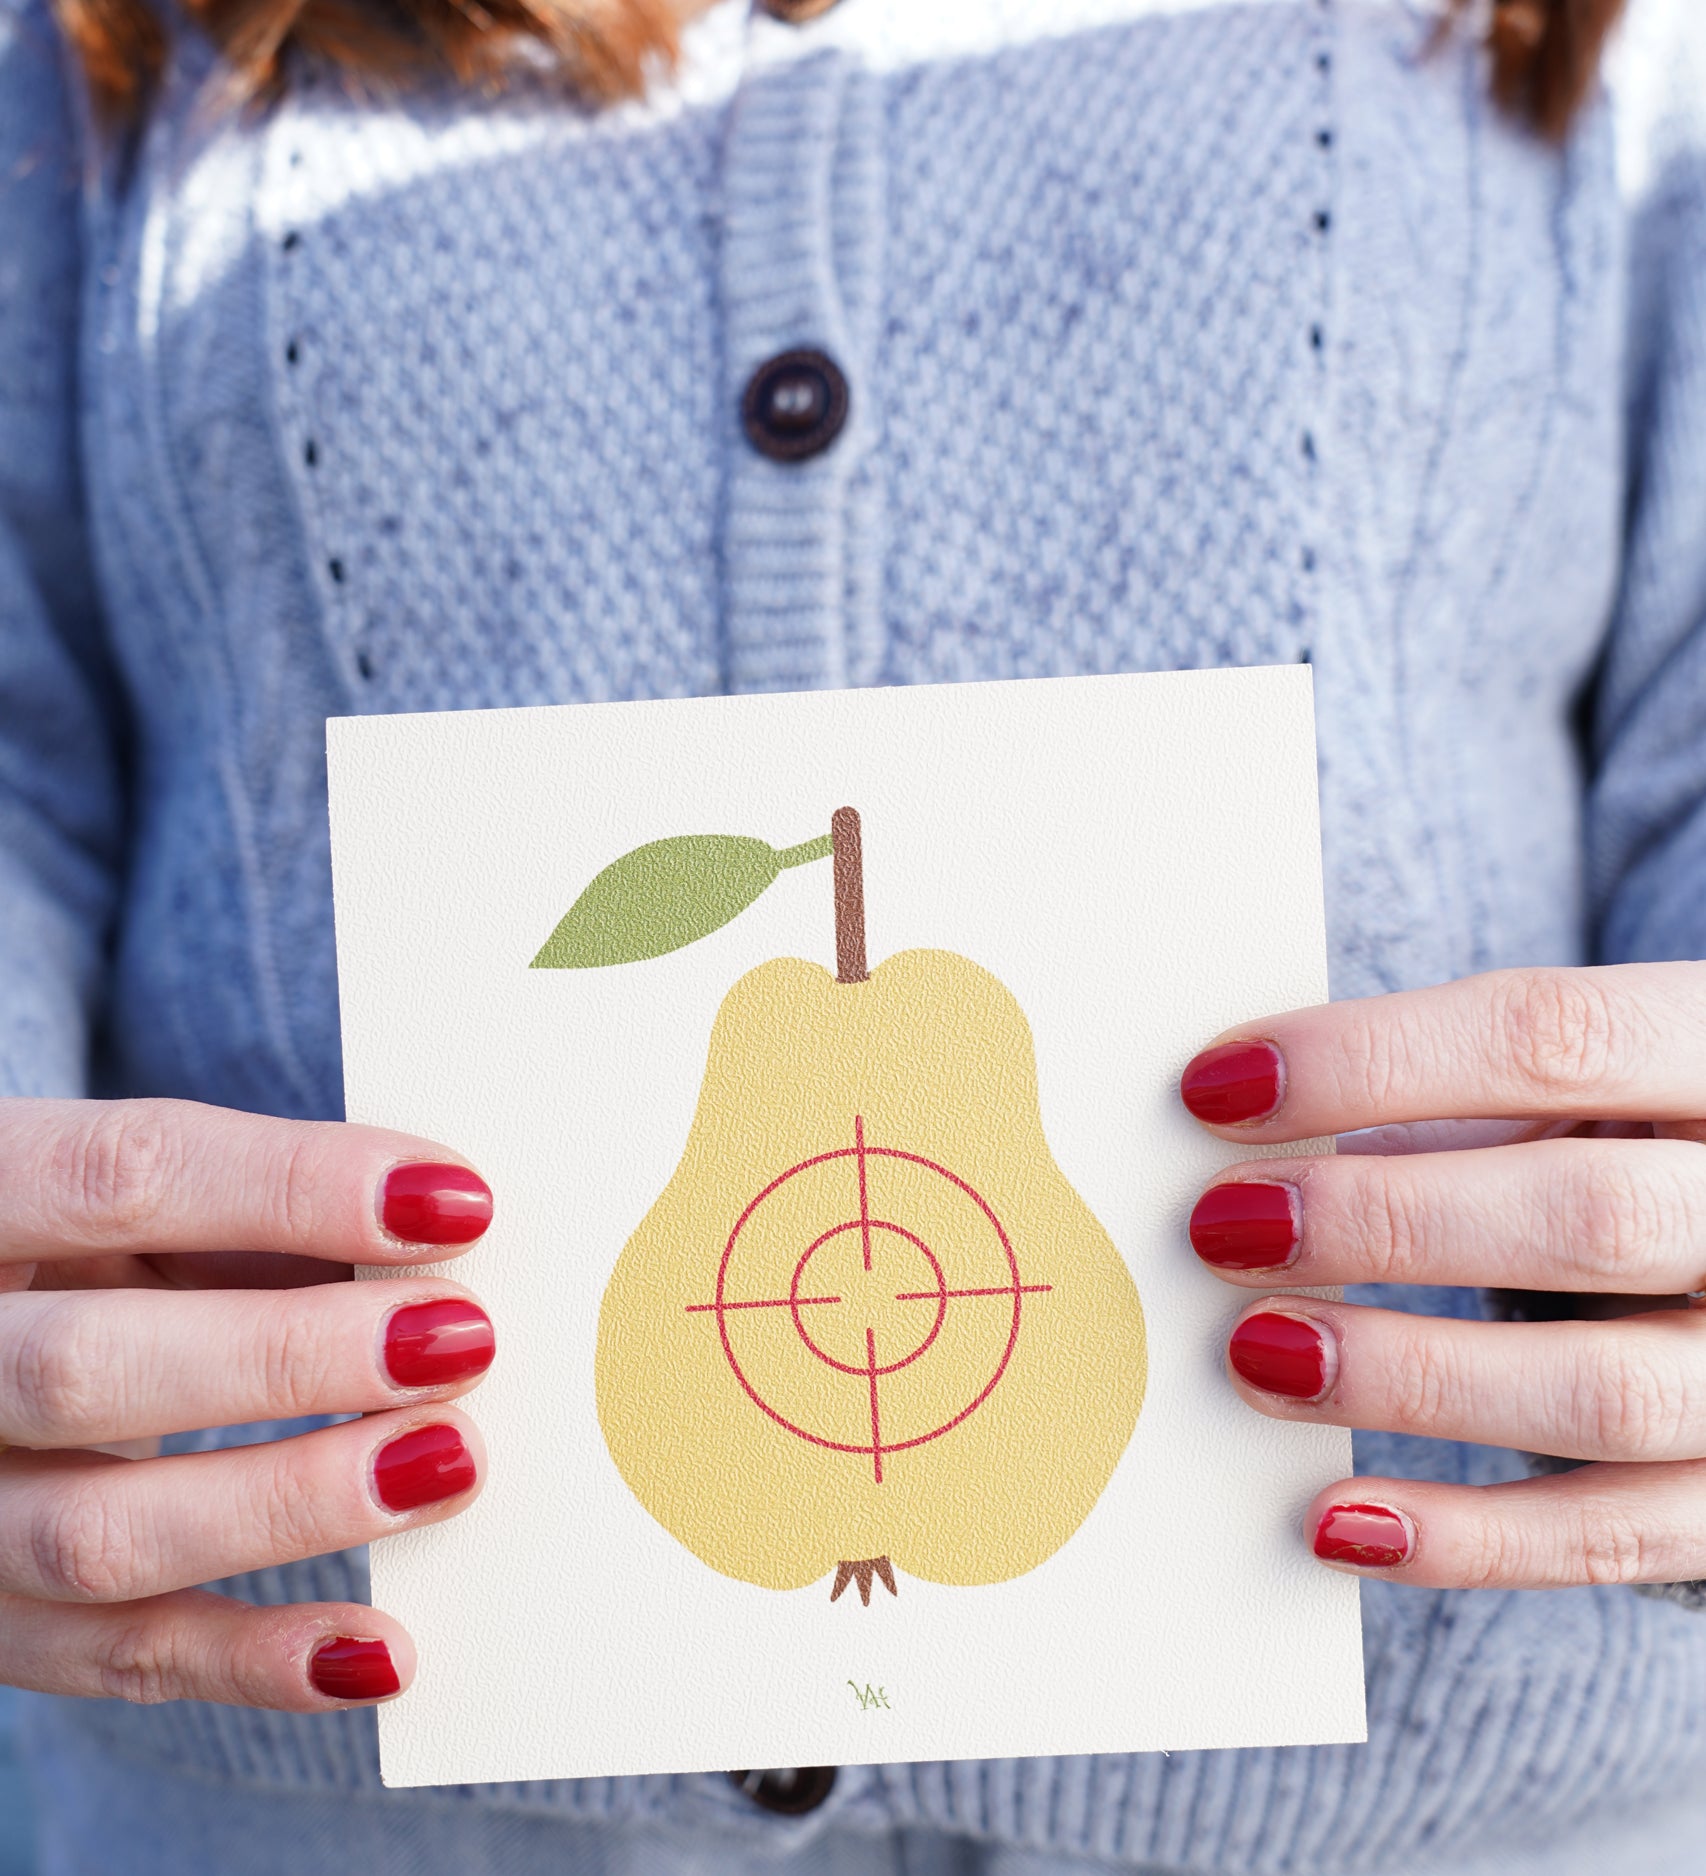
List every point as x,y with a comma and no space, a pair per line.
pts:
665,895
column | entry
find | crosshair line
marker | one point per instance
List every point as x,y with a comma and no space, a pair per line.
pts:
864,1193
930,1296
768,1302
722,1306
876,1430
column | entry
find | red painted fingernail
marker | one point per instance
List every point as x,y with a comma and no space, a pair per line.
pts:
1366,1534
1281,1355
434,1344
1237,1081
426,1204
347,1669
1246,1226
421,1467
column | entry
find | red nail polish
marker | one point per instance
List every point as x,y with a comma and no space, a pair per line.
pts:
347,1669
421,1467
1281,1355
1366,1534
1246,1226
426,1204
435,1344
1237,1081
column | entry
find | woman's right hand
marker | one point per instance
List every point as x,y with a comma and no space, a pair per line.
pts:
166,1267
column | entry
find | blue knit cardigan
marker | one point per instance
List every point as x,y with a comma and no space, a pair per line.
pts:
1177,334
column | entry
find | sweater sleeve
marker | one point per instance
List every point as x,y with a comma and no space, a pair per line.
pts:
61,809
1646,827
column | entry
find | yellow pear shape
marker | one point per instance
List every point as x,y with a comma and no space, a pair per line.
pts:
869,1318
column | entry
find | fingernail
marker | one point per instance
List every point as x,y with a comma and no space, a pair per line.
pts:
434,1344
1287,1355
1236,1081
1247,1225
347,1669
426,1204
1369,1535
421,1467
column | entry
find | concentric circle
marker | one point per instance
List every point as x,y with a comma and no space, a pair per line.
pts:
878,1236
866,1226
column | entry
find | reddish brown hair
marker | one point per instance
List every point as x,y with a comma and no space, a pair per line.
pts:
1545,56
1545,53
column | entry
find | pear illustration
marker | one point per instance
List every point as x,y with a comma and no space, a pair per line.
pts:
868,1325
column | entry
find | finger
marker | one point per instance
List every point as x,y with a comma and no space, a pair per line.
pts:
1556,1215
193,1645
80,1528
1623,1043
1634,1389
1441,1136
1602,1524
90,1367
93,1178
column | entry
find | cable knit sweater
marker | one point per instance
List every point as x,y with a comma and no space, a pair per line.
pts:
1177,334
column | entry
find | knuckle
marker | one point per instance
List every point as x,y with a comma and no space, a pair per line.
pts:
1490,1555
1619,1221
296,1360
1425,1381
142,1662
83,1550
1388,1229
1561,1031
55,1391
1614,1548
290,1189
1639,1410
1601,1545
1374,1062
108,1173
295,1508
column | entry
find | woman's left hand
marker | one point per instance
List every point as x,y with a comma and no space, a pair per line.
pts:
1598,1184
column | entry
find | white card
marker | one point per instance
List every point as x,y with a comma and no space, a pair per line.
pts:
809,1282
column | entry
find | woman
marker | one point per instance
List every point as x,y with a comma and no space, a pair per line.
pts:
860,343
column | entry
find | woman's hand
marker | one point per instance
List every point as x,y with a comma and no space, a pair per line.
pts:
1601,1187
156,1259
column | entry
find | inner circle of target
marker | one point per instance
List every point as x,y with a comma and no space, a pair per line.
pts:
875,1446
874,1225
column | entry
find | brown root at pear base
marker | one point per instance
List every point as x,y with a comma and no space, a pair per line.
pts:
861,1573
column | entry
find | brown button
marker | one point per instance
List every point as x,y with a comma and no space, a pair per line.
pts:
790,1791
795,12
794,405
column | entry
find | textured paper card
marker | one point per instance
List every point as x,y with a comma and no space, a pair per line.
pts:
858,1396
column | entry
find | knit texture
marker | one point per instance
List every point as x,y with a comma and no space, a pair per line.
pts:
1177,334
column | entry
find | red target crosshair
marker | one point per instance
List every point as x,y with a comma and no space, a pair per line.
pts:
872,1232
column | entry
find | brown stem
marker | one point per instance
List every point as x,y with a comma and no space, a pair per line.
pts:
849,897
